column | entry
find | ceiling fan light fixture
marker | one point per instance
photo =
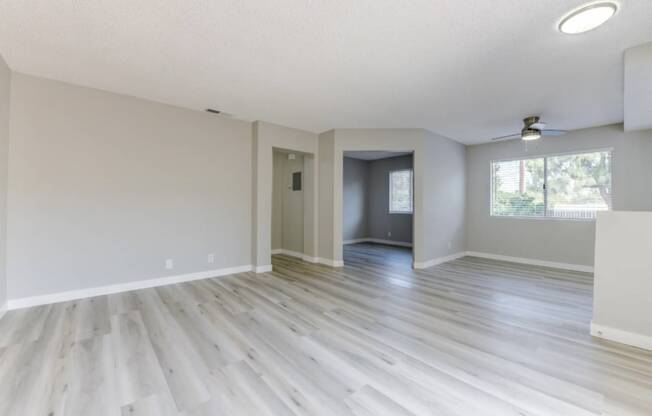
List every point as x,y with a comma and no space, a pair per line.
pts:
587,17
530,134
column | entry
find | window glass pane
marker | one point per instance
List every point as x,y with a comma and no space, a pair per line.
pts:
579,185
296,181
400,191
518,188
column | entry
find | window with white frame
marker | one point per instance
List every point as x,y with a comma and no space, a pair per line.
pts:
400,191
573,186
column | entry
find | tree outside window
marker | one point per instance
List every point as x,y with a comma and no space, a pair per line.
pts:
400,191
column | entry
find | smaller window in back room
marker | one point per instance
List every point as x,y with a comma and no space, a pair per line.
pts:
572,186
400,191
296,181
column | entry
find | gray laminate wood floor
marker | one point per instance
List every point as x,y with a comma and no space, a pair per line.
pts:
469,337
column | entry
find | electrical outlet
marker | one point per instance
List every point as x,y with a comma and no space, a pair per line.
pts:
169,264
389,233
450,245
211,258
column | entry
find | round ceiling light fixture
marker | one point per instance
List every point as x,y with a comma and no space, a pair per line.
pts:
530,134
587,17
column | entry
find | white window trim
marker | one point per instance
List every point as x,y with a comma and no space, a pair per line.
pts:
545,179
389,180
541,155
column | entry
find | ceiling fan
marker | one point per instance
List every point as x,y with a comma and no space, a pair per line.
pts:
533,129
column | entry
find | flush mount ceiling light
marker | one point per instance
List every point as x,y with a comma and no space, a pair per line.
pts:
530,134
587,17
533,129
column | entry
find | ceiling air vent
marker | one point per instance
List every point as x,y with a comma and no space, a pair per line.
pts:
214,111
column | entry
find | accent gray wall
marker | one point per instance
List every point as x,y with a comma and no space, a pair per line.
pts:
380,221
555,240
355,210
104,187
5,91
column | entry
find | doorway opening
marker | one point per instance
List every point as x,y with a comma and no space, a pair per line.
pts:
288,203
378,207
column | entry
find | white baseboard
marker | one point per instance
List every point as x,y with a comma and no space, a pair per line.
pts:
355,241
298,255
521,260
330,262
378,241
304,257
624,337
288,253
440,260
122,287
533,262
263,269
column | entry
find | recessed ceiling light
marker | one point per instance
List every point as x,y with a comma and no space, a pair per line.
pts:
587,17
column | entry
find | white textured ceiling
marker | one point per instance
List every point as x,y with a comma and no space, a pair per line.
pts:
468,69
373,154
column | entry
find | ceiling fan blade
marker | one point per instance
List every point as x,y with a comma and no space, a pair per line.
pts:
508,137
553,132
539,125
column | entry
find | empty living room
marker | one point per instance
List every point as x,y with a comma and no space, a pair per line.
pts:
325,208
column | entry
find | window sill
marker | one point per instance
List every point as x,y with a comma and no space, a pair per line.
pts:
517,217
400,213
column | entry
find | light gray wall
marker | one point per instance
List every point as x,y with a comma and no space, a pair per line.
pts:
104,187
292,237
563,241
310,208
327,180
355,209
277,200
5,91
444,199
638,87
287,208
380,222
623,276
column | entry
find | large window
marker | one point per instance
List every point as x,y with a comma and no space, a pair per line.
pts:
400,191
573,186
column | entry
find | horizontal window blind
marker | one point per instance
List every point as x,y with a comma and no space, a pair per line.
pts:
573,186
518,188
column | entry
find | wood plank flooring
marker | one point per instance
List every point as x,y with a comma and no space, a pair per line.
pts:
468,337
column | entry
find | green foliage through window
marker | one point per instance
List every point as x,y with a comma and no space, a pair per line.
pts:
565,186
400,191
